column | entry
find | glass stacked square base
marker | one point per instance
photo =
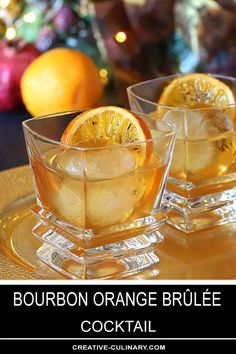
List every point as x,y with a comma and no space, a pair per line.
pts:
191,208
122,251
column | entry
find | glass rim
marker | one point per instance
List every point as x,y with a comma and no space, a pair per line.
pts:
179,109
171,133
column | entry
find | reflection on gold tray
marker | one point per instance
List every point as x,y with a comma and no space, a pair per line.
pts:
17,244
207,254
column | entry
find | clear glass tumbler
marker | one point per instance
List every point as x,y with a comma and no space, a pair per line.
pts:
201,188
99,213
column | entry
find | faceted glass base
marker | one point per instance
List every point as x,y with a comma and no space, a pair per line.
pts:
193,214
128,251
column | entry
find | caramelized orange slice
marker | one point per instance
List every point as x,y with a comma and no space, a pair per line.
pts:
196,91
117,125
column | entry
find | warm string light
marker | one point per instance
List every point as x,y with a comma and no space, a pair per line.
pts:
10,33
136,2
121,37
103,73
104,76
4,3
30,17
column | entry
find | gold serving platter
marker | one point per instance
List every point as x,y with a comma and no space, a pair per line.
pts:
209,254
18,247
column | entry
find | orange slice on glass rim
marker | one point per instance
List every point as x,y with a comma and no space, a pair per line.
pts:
111,124
197,91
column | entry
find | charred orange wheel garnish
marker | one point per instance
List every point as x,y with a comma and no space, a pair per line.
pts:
196,91
114,124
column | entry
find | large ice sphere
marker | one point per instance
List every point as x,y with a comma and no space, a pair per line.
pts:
204,141
207,124
102,163
199,124
71,162
112,201
66,199
64,194
109,163
98,187
176,119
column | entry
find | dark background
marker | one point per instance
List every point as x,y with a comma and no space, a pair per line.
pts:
12,145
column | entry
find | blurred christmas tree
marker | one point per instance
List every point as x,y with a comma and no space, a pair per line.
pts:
130,40
129,47
55,23
49,24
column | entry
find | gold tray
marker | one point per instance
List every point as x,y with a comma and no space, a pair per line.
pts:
17,245
207,254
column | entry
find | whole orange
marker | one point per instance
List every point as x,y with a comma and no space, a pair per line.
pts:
60,79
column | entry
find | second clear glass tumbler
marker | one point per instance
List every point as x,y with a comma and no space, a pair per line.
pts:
201,186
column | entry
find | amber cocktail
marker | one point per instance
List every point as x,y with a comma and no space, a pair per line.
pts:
98,199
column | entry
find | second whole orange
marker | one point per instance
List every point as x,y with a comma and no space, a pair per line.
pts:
61,79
